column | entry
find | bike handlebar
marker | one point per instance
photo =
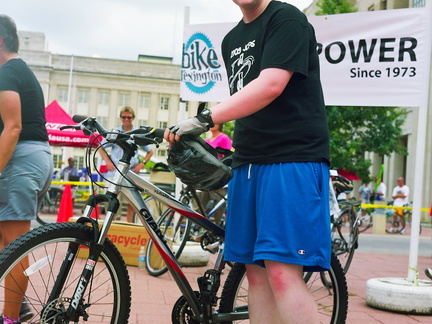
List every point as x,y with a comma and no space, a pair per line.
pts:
141,136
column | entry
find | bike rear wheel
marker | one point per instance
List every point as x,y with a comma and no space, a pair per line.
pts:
332,302
107,298
345,237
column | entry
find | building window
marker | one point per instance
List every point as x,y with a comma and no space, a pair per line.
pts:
419,3
144,100
103,98
162,124
57,159
142,122
164,103
62,94
124,99
186,105
103,121
83,95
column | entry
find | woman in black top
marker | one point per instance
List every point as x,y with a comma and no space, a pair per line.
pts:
25,156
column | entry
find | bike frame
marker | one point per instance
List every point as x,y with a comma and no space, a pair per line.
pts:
123,185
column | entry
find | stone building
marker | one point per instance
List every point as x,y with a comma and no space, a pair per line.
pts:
101,87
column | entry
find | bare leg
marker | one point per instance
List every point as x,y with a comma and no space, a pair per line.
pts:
16,282
278,294
129,213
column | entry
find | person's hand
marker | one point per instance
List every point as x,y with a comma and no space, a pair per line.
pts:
110,166
194,126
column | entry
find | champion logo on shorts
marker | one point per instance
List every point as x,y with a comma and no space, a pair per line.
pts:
301,252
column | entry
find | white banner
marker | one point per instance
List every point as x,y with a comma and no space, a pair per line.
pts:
203,74
375,58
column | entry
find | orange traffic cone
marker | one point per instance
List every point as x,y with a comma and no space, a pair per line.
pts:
95,213
66,205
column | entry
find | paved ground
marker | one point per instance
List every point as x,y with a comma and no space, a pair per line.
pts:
153,298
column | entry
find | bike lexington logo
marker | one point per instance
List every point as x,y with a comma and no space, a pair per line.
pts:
200,64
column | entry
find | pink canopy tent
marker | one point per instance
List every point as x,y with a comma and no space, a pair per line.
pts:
57,117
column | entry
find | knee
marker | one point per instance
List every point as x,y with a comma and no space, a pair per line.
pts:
284,276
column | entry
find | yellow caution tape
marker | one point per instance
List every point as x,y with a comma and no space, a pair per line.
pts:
76,183
391,207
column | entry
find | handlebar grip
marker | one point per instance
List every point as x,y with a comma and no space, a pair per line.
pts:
78,118
159,132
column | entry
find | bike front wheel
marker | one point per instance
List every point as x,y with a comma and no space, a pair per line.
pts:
42,255
331,301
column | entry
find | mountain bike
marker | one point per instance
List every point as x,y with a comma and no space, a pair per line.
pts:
365,219
397,219
74,274
49,205
178,230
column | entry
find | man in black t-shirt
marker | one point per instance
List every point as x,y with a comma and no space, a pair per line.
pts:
280,162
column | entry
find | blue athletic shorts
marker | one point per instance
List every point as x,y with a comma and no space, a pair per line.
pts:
279,212
24,180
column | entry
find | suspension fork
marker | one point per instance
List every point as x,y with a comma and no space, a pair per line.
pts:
95,249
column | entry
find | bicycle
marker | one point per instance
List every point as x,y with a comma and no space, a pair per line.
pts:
365,221
76,274
178,230
345,225
396,219
49,205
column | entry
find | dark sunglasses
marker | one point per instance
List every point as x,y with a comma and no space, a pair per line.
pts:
126,117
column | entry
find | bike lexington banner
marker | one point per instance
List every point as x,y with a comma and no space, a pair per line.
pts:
374,58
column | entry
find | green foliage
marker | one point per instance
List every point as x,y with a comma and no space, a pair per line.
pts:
357,130
228,128
333,7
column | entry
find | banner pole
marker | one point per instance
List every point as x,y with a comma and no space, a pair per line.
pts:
419,161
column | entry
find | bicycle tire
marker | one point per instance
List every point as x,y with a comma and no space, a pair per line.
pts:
176,229
365,222
332,302
156,208
108,296
49,205
395,226
345,237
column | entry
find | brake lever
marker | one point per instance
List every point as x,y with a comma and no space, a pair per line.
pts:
77,127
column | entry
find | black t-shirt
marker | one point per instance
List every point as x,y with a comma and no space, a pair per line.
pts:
16,76
293,128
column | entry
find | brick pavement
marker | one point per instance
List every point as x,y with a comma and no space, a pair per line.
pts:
153,298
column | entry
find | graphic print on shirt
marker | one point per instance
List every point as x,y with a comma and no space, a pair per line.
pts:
240,67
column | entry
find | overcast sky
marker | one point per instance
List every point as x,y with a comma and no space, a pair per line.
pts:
118,29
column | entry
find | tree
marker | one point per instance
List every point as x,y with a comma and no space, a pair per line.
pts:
357,130
333,7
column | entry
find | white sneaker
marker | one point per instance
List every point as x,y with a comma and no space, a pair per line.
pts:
391,230
403,231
